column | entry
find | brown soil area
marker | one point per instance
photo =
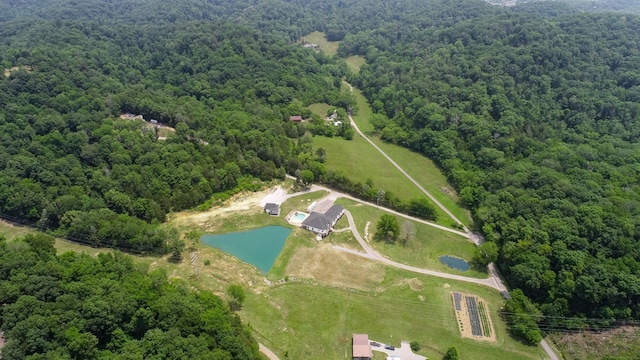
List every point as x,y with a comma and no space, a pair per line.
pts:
7,72
464,323
327,265
239,203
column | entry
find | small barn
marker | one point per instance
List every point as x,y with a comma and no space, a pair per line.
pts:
295,118
272,209
361,347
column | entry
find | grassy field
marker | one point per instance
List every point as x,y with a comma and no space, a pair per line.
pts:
423,251
314,321
419,167
355,62
329,47
361,161
12,231
331,294
427,174
320,109
618,343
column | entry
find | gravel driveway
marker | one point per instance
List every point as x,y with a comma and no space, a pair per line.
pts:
403,352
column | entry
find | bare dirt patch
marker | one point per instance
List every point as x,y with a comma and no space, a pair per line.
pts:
464,319
7,72
327,265
599,345
246,202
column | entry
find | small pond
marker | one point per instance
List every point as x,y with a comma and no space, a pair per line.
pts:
258,247
454,263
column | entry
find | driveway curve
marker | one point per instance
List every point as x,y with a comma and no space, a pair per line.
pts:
372,254
267,352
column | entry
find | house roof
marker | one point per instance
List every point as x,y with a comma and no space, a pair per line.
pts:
334,211
318,221
361,346
295,118
272,207
323,206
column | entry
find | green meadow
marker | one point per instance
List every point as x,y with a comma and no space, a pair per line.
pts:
328,47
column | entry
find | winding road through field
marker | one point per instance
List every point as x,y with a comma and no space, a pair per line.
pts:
494,281
369,253
435,201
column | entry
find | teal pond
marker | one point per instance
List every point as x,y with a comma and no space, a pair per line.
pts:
258,247
454,262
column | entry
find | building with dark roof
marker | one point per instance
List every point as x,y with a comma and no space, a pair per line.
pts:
272,209
322,223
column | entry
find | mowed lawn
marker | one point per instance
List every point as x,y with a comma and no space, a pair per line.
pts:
425,248
312,318
355,62
320,109
301,320
427,174
418,166
329,47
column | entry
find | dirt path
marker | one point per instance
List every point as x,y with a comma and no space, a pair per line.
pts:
265,350
333,195
424,191
372,254
495,278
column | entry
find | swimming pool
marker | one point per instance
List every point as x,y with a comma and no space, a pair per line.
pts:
298,217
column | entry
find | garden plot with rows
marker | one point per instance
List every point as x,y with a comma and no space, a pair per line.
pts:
472,315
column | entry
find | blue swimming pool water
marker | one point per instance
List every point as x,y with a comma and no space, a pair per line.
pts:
299,217
454,263
259,247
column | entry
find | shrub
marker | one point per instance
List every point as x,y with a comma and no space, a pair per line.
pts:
415,347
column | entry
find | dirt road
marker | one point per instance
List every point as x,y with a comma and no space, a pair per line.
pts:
265,350
372,254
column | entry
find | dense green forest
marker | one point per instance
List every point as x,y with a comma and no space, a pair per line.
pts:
536,121
533,112
75,306
69,163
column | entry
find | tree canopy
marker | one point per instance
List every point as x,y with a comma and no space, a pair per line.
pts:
534,119
75,306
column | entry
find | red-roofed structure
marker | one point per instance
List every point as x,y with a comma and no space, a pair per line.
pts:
361,347
295,118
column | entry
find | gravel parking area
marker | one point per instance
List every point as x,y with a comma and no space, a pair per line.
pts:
404,352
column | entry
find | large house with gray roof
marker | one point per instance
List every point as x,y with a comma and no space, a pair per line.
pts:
321,223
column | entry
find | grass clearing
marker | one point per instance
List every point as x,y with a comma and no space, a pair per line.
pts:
329,47
418,166
427,174
361,161
618,343
423,251
330,294
355,62
306,320
320,109
11,231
